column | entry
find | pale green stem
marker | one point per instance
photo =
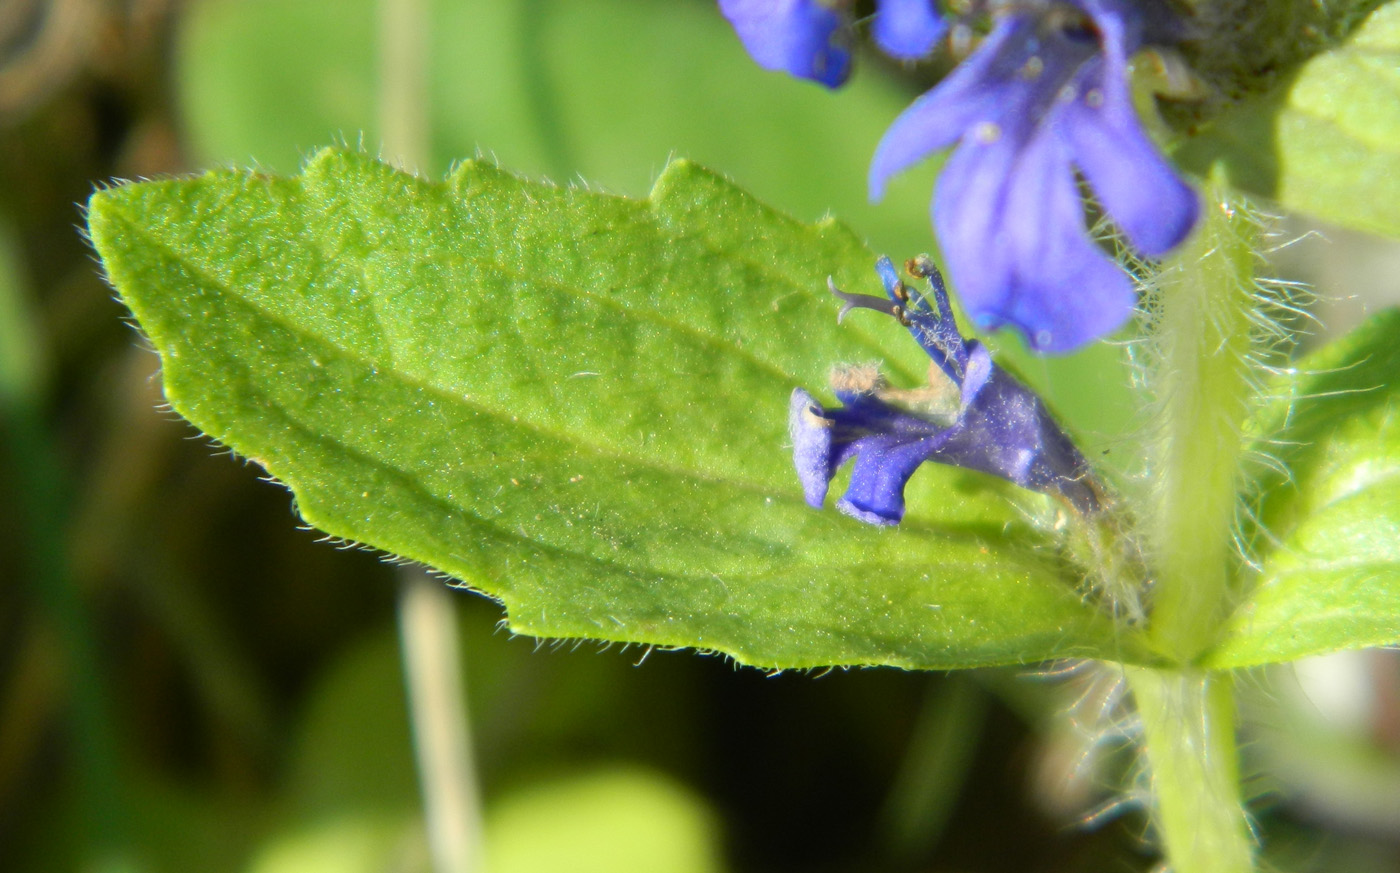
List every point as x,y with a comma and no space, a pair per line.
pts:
427,623
1188,724
1202,380
542,97
1200,375
403,83
441,730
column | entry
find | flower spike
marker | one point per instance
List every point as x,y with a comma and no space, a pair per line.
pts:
996,426
1039,104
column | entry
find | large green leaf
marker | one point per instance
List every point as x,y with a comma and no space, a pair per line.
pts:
1331,578
1326,139
576,403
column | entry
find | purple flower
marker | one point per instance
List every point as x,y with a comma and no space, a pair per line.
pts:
986,421
908,29
803,37
1041,103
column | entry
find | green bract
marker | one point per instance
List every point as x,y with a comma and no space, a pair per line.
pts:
576,403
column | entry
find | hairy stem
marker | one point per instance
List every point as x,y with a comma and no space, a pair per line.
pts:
1188,720
1201,376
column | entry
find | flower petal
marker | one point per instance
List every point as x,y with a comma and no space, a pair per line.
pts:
908,29
977,375
1006,430
801,37
881,470
1010,220
970,95
811,446
967,217
1136,186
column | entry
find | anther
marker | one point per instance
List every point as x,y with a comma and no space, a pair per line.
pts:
921,267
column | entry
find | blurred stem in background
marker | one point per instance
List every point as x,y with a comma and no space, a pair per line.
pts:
542,98
403,83
438,714
427,624
941,753
44,493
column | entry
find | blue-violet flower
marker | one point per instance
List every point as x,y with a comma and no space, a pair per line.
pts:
803,37
1042,102
993,424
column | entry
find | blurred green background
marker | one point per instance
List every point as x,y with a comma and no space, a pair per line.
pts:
189,680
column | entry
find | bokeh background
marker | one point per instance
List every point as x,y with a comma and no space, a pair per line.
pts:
191,680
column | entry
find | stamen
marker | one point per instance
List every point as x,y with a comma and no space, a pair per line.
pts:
920,267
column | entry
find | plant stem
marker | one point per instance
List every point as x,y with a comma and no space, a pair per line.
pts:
542,98
403,83
1200,373
1202,381
427,621
441,731
1188,721
43,495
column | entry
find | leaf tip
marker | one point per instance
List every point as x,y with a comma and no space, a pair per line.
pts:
101,214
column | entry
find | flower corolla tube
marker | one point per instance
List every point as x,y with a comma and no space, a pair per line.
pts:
973,415
1041,104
